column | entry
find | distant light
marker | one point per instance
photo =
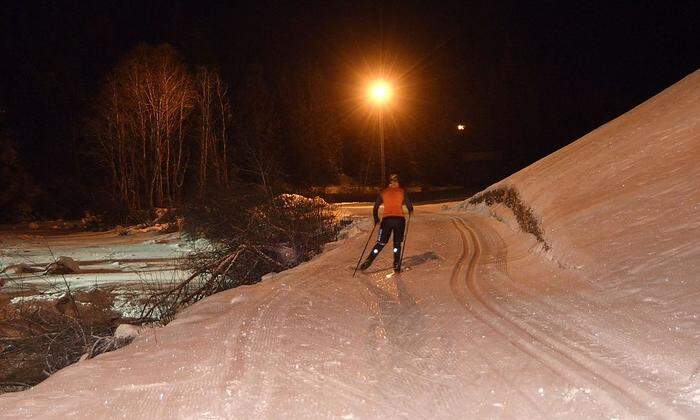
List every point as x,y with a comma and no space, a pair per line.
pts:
380,92
460,127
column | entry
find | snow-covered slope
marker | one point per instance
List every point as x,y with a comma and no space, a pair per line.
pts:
620,208
624,200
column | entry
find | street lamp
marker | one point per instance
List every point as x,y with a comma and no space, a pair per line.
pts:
379,93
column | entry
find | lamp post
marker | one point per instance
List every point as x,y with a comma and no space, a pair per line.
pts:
382,180
380,93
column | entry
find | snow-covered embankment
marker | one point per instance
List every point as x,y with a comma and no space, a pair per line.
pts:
620,208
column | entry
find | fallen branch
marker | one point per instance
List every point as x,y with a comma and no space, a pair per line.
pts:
222,265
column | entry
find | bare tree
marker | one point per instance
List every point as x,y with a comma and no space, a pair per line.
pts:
214,119
142,126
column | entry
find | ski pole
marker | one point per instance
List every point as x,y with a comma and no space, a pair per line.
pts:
364,249
405,237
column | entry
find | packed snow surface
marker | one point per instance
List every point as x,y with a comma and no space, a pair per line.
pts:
481,323
620,209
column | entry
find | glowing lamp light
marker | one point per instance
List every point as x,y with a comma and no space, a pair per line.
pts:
460,127
380,92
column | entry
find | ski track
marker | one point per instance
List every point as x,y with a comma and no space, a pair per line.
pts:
581,334
565,360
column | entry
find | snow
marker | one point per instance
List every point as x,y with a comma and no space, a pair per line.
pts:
620,209
481,323
96,258
123,264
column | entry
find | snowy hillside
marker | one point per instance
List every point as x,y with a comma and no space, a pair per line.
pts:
621,208
627,195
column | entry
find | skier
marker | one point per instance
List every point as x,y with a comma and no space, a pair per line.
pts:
393,198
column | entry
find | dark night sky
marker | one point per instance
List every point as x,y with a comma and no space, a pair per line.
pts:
528,77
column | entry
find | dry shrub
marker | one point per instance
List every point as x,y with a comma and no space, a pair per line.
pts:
249,235
510,197
37,338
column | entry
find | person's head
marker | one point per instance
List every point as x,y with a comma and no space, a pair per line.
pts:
393,180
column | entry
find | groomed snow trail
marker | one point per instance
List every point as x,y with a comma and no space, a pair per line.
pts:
450,337
561,358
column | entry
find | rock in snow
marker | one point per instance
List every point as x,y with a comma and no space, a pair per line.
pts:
63,265
127,331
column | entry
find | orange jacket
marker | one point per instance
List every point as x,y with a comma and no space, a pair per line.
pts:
393,199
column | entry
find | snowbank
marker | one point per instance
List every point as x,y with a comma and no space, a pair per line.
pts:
622,202
620,208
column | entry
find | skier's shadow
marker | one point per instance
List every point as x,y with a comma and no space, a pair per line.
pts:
416,260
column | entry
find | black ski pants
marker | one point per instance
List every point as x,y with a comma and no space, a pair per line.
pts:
395,225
